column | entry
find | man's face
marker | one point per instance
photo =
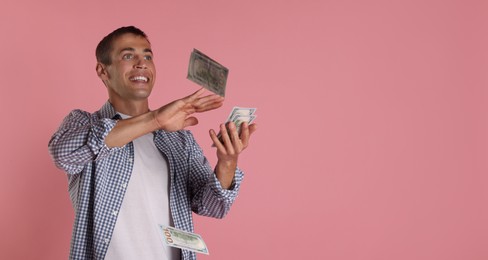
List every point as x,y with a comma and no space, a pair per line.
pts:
131,75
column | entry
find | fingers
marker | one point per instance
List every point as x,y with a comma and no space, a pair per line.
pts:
230,137
208,103
252,128
194,96
246,132
234,136
216,140
226,139
202,104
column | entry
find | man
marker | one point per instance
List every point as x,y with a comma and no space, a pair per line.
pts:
130,169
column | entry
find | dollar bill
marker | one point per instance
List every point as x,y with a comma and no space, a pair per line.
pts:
182,239
207,73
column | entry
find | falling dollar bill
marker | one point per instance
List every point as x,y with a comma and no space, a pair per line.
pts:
207,73
182,239
239,115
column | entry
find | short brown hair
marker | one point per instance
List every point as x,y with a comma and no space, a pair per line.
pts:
104,47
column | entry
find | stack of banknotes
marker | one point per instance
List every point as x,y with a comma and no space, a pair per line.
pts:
239,115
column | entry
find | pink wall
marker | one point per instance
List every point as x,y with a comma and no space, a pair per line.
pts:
373,121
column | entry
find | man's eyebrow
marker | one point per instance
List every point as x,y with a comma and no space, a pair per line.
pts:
132,49
127,49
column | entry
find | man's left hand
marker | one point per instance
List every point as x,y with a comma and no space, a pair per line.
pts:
229,148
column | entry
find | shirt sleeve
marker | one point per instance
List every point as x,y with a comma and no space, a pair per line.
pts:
80,140
208,196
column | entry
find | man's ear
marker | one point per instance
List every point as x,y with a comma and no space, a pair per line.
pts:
102,71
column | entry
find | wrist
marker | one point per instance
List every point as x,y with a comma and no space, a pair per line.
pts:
155,120
227,165
225,171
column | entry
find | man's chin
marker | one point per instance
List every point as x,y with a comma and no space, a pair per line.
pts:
141,93
141,96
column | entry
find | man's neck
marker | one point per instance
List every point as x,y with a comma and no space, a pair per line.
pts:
130,108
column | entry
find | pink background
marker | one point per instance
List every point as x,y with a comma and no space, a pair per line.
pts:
373,120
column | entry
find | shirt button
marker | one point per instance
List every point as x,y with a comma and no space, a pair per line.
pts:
106,240
124,185
114,212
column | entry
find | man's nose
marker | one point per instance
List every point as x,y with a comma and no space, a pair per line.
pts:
140,64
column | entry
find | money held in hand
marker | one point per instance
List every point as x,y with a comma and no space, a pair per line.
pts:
207,73
239,115
184,240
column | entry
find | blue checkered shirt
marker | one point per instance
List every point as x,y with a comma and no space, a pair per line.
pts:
98,177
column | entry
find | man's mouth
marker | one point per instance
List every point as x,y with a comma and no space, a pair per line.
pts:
139,79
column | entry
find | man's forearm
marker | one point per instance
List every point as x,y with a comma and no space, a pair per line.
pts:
126,130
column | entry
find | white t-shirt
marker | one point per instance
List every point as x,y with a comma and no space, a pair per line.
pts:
146,204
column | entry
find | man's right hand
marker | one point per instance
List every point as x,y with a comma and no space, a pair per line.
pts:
177,114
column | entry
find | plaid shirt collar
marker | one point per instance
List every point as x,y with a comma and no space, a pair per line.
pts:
108,111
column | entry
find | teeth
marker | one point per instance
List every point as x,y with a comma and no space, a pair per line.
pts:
139,78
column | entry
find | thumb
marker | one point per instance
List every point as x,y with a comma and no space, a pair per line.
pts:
191,121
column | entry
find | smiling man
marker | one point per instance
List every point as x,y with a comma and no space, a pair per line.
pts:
131,168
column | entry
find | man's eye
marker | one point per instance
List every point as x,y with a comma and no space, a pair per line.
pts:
148,57
127,56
